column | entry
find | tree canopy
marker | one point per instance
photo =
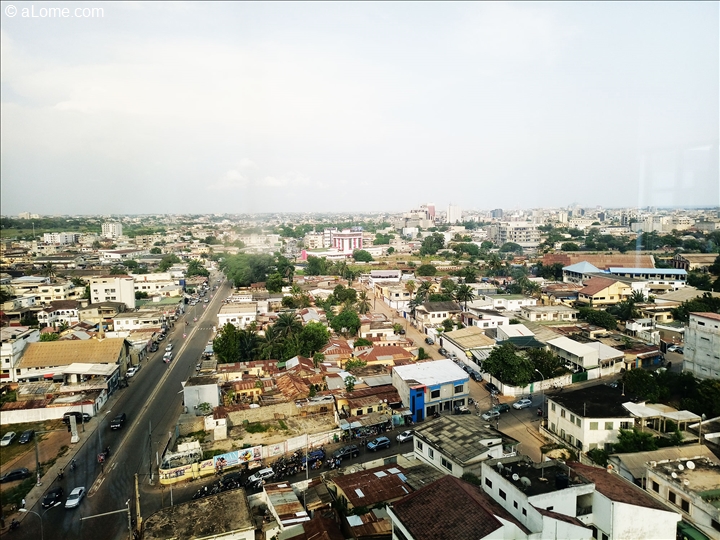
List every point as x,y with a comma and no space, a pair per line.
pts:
432,244
426,270
362,256
507,366
598,318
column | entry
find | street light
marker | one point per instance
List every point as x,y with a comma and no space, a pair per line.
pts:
24,510
542,404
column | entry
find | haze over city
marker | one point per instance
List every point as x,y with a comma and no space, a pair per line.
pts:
264,107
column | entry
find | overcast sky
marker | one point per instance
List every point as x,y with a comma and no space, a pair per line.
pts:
251,107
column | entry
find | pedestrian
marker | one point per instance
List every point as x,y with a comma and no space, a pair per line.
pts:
22,504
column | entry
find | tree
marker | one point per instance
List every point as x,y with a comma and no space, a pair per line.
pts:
274,283
598,318
349,383
547,363
354,363
448,325
362,342
511,247
360,255
167,261
390,250
226,344
197,268
705,303
422,355
131,264
287,324
316,266
432,244
426,270
140,295
155,251
633,440
346,322
570,246
642,384
313,337
464,294
504,364
714,268
363,303
49,337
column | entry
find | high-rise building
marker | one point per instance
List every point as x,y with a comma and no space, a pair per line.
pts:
497,213
523,233
119,288
431,210
112,229
454,214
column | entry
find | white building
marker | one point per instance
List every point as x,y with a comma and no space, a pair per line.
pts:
61,238
112,230
577,356
510,302
158,283
201,389
119,288
702,346
60,290
523,233
138,321
347,240
430,387
59,312
13,340
116,256
549,313
237,314
454,214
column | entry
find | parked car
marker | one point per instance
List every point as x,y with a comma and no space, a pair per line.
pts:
501,407
8,438
350,450
461,410
153,347
118,422
490,387
680,350
429,341
76,495
522,404
132,371
15,474
378,444
169,347
53,497
262,474
490,415
672,348
401,331
405,436
26,436
442,351
161,337
314,456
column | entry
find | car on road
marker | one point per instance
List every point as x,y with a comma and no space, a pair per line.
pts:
429,341
79,417
53,497
161,337
680,350
490,415
461,410
262,474
26,436
443,351
15,474
153,347
197,368
350,450
377,444
490,387
8,438
405,436
169,347
76,495
132,371
501,407
672,348
522,404
207,300
118,422
313,456
167,357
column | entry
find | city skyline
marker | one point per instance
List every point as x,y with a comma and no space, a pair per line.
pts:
291,108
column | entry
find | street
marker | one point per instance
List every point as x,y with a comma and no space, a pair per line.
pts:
152,403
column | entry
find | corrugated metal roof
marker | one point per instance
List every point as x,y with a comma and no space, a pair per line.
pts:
63,353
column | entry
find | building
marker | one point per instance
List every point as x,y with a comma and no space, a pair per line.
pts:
427,388
602,291
588,418
366,488
454,214
702,346
690,486
466,342
58,313
117,256
239,314
199,390
112,230
458,444
120,288
431,314
509,302
59,290
347,240
694,262
523,233
138,320
557,313
61,238
13,340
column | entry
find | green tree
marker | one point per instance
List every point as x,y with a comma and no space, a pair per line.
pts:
226,344
426,270
598,318
634,440
422,355
382,239
287,324
705,303
363,303
642,384
448,325
313,337
130,264
570,246
167,261
197,268
362,342
349,383
49,337
140,295
464,294
156,251
360,255
274,283
547,363
348,319
354,363
432,244
390,250
511,247
316,266
507,366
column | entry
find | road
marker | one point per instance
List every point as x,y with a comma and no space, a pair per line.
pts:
152,403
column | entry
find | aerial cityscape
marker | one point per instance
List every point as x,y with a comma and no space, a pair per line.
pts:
404,271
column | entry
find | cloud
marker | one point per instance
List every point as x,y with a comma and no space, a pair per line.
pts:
232,179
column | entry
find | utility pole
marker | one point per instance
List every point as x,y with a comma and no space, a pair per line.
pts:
137,504
125,510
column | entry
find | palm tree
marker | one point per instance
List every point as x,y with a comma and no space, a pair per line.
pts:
410,287
269,344
363,303
247,345
295,290
287,325
447,286
464,293
637,297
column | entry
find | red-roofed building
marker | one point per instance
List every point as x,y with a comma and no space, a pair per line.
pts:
601,291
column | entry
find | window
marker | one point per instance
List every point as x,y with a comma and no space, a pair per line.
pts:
488,482
671,497
593,426
370,409
549,508
578,421
446,464
715,525
435,394
459,389
625,425
572,418
552,406
418,445
609,426
524,512
655,487
685,505
431,453
502,494
579,444
562,413
604,536
515,504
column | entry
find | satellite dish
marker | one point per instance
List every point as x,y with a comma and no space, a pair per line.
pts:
680,467
525,481
690,465
674,475
515,477
610,467
499,466
686,482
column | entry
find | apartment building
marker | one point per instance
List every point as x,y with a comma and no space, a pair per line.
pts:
430,387
702,346
120,288
523,233
112,230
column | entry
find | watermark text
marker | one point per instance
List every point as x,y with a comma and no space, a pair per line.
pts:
34,12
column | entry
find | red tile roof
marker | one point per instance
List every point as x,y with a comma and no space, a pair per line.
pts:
596,284
707,315
379,484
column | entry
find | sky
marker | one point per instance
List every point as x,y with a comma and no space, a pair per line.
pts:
357,107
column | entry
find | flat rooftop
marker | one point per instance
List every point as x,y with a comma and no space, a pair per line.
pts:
699,475
545,477
599,401
432,373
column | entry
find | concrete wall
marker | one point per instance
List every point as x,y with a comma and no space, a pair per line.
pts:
263,414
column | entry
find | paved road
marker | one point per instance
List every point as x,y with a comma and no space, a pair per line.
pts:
152,403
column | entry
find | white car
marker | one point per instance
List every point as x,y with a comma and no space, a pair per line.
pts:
132,371
7,438
490,415
405,436
75,497
522,404
167,357
169,347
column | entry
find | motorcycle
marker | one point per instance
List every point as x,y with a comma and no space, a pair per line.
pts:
14,524
539,412
72,465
